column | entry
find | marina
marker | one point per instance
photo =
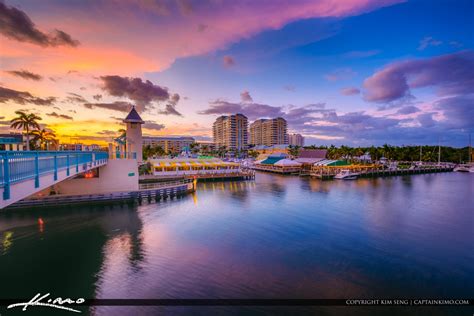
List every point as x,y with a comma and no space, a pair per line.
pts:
328,238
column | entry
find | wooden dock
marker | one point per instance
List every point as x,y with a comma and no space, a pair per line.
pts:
329,173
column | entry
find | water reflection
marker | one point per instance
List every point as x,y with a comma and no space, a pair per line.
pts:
273,237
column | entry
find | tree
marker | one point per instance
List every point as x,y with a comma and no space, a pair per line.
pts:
293,150
253,154
43,137
27,122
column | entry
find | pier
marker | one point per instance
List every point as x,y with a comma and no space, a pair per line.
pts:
371,171
147,192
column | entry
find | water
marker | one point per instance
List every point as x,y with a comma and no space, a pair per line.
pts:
275,237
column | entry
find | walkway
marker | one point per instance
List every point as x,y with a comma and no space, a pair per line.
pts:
23,173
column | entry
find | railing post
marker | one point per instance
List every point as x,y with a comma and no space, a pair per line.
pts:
6,177
77,163
36,170
55,167
67,163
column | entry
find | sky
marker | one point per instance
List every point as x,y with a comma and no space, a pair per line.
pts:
352,72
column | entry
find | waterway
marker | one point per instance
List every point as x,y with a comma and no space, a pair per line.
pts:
275,237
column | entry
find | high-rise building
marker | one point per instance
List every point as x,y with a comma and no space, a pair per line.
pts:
296,140
231,131
269,132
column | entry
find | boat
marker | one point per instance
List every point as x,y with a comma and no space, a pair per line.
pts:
464,168
347,175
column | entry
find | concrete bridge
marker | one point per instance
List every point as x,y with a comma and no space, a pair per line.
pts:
23,173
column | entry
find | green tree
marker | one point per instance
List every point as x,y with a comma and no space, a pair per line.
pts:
26,122
43,137
294,151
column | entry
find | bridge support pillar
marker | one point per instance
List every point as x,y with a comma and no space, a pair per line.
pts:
37,181
6,179
55,168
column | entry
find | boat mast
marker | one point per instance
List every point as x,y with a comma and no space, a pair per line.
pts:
439,152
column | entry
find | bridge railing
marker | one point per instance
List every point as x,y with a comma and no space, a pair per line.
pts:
17,166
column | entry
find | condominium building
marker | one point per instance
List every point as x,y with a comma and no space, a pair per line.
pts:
269,132
231,131
169,144
296,140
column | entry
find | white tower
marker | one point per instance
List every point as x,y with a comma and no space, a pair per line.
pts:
134,134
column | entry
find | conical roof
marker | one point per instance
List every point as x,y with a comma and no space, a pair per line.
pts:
133,117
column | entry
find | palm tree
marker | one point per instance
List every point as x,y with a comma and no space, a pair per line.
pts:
25,121
43,137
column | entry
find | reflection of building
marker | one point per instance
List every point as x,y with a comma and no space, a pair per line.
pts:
231,132
11,142
296,140
268,132
169,144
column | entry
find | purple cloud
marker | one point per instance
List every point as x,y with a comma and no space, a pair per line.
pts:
142,92
25,74
251,110
245,97
409,109
23,97
120,106
428,41
15,24
449,74
350,91
228,61
340,74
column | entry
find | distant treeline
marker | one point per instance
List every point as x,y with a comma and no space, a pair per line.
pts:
402,153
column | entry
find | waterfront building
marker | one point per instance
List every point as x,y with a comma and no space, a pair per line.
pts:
311,156
11,142
279,163
231,132
169,144
134,138
296,140
269,132
193,167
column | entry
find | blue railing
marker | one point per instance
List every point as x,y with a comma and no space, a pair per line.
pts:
17,166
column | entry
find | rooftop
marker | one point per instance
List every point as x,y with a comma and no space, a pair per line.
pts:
133,117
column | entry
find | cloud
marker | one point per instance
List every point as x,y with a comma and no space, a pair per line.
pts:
409,109
97,97
289,88
449,74
142,92
428,41
170,108
340,74
361,54
25,74
251,110
120,106
63,116
350,91
153,125
15,24
245,97
228,61
75,98
108,132
458,111
23,97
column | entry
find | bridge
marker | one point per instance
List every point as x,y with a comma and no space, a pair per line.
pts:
23,173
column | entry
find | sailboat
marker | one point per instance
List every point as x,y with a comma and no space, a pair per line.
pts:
469,167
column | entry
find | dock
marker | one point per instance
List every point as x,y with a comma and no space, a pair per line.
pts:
326,173
147,192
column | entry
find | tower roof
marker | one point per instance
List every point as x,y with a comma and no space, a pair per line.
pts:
133,117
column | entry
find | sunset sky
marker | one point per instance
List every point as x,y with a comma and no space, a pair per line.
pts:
355,72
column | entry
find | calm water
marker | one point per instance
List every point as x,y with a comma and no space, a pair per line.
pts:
276,237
